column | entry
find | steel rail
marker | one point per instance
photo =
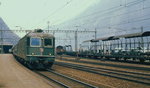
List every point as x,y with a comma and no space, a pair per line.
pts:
129,72
105,73
78,81
125,61
109,65
66,77
57,82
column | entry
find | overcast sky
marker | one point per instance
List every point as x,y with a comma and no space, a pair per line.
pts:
30,14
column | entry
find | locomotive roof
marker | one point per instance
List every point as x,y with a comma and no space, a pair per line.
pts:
35,34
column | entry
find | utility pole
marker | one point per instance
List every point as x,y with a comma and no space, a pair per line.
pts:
95,42
95,33
76,40
48,25
142,29
53,33
142,42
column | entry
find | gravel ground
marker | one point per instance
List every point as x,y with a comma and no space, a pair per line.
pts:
98,80
64,80
14,75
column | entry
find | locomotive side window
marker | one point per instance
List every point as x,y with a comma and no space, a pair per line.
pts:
35,41
28,41
48,42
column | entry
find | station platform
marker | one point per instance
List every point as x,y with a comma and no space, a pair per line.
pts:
14,75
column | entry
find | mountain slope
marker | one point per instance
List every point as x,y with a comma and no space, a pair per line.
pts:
113,17
6,35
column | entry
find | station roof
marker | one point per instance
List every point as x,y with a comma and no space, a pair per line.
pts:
141,34
107,38
92,40
87,41
110,38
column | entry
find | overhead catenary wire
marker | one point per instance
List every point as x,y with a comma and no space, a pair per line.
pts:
119,15
103,14
84,4
126,5
110,10
53,13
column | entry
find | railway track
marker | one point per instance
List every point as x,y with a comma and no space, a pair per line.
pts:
108,64
64,81
111,60
136,77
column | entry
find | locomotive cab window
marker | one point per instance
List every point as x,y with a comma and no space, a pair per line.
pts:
35,42
48,42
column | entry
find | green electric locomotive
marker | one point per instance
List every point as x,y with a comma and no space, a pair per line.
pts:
36,50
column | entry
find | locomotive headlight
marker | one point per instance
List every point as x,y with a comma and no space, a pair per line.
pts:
50,54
